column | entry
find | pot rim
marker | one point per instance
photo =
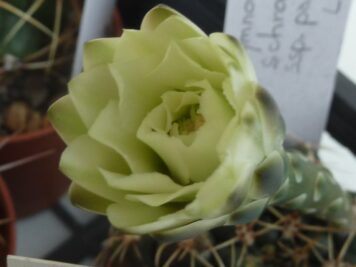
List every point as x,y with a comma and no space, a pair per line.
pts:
23,137
9,213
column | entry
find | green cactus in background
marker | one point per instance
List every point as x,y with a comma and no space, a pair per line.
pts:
37,43
26,25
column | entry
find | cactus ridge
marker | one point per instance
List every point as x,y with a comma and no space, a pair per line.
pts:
311,189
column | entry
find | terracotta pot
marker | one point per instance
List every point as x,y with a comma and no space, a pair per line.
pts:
7,231
38,184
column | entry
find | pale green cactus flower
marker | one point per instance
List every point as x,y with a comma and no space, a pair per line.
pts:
167,131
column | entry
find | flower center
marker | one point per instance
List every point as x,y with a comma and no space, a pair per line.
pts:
188,121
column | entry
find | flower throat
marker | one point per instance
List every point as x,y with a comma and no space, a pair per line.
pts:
189,121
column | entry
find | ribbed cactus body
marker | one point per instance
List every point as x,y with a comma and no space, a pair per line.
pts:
311,189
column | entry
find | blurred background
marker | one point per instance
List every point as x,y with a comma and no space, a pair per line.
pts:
37,47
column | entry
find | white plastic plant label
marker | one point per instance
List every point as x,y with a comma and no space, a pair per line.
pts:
347,60
294,46
95,18
339,160
16,261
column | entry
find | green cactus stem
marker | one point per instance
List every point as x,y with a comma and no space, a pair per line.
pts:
311,189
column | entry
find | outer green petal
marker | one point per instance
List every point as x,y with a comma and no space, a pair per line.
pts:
138,45
242,139
269,175
225,189
237,89
99,51
241,82
248,212
148,183
65,119
177,68
273,128
129,214
156,16
190,230
86,200
178,28
109,130
90,92
81,160
238,55
145,219
204,52
166,21
185,194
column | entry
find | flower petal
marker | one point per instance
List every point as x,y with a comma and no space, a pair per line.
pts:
248,212
184,194
155,16
242,138
177,68
99,51
164,145
134,217
65,119
225,189
169,221
178,28
202,157
204,52
110,130
154,132
190,230
237,89
138,45
138,93
90,92
148,183
238,56
81,160
273,128
269,175
87,200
